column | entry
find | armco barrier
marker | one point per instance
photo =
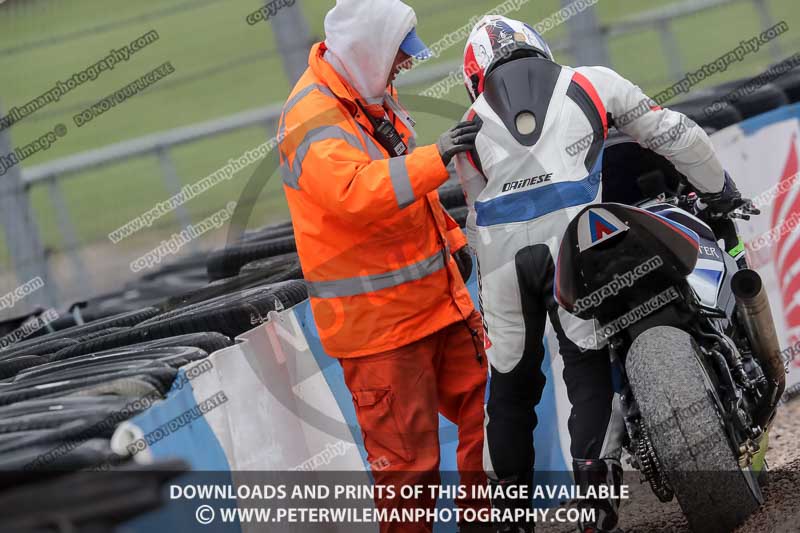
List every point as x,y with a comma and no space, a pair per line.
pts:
288,408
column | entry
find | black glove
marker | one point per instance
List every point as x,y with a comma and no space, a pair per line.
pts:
713,206
460,138
463,259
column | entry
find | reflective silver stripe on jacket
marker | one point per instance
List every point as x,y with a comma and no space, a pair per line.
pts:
291,176
372,146
367,284
293,102
401,181
405,117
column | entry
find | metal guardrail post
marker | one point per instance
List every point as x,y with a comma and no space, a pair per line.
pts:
589,44
767,21
173,184
271,127
68,234
22,234
293,39
671,49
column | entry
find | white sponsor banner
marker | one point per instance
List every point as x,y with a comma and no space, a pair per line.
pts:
761,154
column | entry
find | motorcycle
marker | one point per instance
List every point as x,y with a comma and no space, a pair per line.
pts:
691,335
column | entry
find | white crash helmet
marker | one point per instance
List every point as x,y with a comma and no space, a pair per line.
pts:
493,40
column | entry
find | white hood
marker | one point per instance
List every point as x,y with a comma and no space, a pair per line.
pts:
362,37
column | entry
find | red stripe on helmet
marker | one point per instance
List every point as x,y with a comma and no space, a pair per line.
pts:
471,67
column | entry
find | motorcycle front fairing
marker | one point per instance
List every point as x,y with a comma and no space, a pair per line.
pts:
709,274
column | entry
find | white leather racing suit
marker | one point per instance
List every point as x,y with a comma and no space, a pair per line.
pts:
527,178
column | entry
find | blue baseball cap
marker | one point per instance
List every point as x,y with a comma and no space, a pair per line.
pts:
413,46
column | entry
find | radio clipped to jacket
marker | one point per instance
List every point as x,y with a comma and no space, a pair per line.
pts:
389,138
386,134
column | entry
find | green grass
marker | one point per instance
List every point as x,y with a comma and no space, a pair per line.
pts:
224,66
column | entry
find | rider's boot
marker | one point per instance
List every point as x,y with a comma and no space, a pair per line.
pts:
596,473
505,503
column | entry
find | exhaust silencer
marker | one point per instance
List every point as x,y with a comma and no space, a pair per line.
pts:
756,317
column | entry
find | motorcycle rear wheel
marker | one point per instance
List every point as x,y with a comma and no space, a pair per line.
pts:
672,389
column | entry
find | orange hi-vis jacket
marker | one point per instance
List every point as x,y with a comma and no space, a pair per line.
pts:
373,239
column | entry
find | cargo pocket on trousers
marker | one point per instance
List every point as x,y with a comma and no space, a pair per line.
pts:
379,426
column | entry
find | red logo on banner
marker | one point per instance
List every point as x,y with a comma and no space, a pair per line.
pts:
786,258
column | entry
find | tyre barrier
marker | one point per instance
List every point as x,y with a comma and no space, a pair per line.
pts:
136,339
749,102
452,196
761,101
790,85
83,500
63,394
696,109
226,263
459,214
282,229
13,366
41,345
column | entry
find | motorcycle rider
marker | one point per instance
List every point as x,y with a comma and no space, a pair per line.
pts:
537,162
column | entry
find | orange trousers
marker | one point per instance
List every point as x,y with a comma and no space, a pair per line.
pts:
398,395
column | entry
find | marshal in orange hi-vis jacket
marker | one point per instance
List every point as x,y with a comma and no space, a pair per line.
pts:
373,239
